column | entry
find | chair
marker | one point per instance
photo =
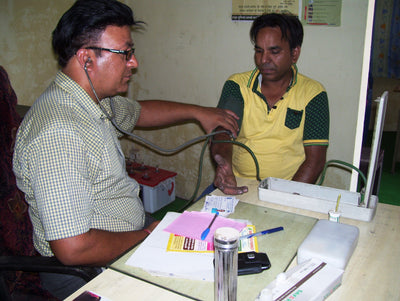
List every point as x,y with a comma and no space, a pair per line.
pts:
19,262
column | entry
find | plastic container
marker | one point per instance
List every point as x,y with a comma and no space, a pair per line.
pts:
157,186
334,216
331,242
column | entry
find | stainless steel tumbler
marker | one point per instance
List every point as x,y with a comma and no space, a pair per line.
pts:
226,264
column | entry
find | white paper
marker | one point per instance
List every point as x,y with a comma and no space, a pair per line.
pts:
224,205
152,256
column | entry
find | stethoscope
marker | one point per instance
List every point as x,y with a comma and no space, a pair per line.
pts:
176,149
142,140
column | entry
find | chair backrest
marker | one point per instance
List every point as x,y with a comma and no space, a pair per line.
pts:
15,225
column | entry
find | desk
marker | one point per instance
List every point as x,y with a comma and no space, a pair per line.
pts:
281,248
372,272
117,287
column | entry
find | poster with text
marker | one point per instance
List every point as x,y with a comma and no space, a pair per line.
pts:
321,12
248,10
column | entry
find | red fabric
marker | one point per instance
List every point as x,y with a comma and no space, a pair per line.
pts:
9,122
15,225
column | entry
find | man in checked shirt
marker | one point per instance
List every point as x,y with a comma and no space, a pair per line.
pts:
84,208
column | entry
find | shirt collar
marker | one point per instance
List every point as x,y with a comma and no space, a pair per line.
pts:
256,78
82,98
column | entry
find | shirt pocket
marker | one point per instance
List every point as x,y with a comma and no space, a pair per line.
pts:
293,118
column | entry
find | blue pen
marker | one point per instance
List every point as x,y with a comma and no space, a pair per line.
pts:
269,231
206,231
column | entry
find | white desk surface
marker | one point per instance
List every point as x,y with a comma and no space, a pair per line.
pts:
373,272
117,286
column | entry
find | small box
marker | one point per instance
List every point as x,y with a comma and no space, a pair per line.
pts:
312,280
157,186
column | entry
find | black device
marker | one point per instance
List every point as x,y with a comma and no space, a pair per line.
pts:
252,263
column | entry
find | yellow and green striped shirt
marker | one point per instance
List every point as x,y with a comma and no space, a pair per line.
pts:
277,135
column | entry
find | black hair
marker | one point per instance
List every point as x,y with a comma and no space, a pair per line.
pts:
290,26
84,22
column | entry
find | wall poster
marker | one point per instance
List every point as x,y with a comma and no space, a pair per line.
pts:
247,10
311,12
321,12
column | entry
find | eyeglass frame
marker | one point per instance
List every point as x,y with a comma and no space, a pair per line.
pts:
128,53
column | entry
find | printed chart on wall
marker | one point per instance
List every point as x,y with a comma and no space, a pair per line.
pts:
247,10
321,12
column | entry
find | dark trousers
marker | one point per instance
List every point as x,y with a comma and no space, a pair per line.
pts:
61,286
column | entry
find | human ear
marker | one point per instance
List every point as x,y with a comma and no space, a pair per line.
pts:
84,58
295,54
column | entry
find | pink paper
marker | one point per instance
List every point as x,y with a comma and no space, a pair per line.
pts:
192,224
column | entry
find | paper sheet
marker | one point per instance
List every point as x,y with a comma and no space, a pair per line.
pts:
192,224
224,205
178,243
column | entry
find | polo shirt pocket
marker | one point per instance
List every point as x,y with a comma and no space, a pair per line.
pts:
293,118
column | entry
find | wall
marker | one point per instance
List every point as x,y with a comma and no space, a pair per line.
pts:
186,53
25,44
191,49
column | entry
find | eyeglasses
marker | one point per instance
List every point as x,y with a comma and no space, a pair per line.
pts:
128,53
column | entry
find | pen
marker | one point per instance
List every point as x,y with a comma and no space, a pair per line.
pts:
206,231
269,231
337,202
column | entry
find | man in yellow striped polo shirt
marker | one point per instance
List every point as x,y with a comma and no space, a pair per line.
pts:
283,115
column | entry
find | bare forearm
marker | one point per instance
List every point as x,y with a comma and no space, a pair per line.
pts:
310,170
313,165
224,179
102,246
96,247
160,113
307,173
222,149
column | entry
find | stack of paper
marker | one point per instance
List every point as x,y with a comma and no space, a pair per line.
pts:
177,243
192,224
152,254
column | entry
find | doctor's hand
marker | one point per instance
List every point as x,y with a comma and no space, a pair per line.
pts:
211,118
225,179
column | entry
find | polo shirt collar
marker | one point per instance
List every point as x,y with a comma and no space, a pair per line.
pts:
255,79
